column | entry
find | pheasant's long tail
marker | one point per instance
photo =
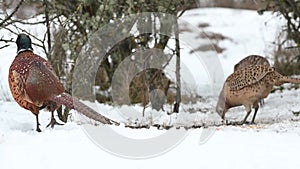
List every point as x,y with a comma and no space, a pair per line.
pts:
286,79
73,103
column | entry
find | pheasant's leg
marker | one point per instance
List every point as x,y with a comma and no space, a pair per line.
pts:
245,119
225,122
248,109
53,122
37,123
253,118
261,102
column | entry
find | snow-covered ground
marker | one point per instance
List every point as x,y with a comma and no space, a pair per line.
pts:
273,143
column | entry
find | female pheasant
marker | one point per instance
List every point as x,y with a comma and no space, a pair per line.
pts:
252,60
34,85
247,86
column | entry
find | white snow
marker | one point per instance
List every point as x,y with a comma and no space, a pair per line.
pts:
273,143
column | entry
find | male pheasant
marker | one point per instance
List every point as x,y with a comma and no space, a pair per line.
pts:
34,85
248,86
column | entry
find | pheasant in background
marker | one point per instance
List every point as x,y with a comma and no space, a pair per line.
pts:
247,87
157,98
252,60
34,85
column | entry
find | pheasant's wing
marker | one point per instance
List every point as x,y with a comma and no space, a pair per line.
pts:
251,60
44,62
247,76
41,82
17,85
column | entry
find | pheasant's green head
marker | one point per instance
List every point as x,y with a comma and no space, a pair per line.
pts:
23,43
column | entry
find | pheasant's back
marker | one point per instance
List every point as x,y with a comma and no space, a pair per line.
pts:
32,79
251,60
248,76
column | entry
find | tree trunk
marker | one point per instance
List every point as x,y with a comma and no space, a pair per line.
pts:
178,81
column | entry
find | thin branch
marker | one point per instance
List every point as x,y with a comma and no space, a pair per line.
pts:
32,36
23,22
6,40
14,11
181,13
48,29
2,47
11,31
12,41
294,7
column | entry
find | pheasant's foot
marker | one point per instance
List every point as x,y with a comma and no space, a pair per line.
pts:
37,123
53,122
38,129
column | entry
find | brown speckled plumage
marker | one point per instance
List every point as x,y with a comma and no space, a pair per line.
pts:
248,86
251,60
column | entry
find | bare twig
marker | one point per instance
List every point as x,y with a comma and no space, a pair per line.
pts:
181,13
294,7
6,40
11,15
48,29
23,22
2,47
